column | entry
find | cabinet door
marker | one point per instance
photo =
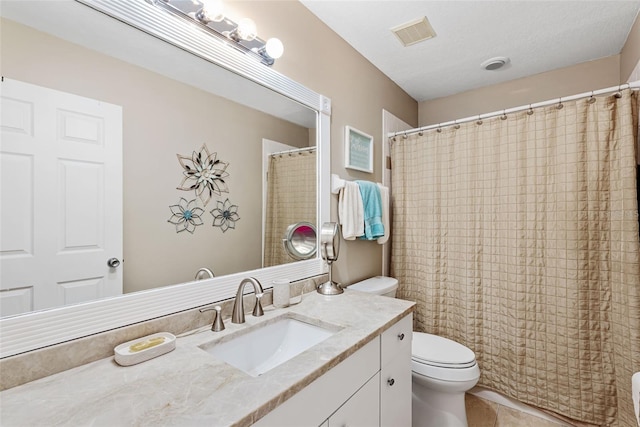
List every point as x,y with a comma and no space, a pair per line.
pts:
361,410
397,340
395,392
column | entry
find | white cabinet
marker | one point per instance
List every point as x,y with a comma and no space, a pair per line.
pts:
372,387
361,409
395,393
395,375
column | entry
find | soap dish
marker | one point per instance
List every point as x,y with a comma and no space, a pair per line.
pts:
145,348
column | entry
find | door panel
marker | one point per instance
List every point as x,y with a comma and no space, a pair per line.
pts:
60,198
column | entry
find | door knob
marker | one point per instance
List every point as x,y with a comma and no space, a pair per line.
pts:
113,262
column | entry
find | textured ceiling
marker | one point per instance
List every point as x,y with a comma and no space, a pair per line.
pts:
536,35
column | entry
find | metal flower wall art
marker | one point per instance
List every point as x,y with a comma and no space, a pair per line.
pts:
225,215
186,215
204,174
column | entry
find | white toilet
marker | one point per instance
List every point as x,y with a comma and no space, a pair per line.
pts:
442,369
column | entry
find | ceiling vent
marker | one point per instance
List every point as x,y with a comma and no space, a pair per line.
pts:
496,63
414,32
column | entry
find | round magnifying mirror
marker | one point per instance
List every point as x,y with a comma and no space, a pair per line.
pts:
300,240
329,241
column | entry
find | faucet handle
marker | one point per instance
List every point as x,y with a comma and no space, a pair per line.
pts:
257,310
218,324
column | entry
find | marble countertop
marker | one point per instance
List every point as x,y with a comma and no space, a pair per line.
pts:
189,387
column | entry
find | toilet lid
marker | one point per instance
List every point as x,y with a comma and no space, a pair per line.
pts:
440,351
378,285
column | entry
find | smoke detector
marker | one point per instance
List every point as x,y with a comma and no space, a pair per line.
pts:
414,31
496,63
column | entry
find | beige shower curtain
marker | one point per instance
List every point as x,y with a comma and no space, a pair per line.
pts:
291,198
518,237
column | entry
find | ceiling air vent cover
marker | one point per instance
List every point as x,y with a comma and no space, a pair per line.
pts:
413,32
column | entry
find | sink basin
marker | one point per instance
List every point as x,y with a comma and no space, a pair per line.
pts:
265,347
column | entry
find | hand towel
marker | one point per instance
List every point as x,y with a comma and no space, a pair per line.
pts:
384,195
372,204
351,211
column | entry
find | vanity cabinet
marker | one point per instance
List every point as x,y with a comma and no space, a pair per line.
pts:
372,387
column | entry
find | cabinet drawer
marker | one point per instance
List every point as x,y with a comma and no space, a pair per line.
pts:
397,340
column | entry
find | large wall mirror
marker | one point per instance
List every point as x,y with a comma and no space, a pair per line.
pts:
183,98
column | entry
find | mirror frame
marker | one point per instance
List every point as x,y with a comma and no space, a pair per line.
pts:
27,332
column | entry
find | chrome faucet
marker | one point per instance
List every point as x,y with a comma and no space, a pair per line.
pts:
238,304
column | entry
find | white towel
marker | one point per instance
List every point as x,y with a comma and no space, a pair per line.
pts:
351,211
384,196
635,390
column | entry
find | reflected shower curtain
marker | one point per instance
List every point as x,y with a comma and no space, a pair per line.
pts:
518,237
291,198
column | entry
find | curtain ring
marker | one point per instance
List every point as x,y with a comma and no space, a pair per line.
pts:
618,94
504,115
479,121
439,130
393,139
404,136
420,133
456,125
530,111
591,99
559,106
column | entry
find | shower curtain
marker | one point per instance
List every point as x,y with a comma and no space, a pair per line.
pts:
518,237
291,198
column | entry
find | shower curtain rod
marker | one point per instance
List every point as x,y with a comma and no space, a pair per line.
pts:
632,85
295,150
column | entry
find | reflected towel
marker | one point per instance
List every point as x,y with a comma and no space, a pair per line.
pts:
372,203
384,196
351,211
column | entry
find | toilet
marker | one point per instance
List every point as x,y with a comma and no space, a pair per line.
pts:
442,369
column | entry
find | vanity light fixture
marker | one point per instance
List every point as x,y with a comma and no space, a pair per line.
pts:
209,15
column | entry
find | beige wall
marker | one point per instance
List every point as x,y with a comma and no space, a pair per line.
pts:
162,118
630,55
567,81
318,58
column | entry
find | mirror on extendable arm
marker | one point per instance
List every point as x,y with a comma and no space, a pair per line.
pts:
329,249
300,240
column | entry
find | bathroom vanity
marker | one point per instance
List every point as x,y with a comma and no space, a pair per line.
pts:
359,374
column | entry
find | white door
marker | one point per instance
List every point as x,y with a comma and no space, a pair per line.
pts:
60,198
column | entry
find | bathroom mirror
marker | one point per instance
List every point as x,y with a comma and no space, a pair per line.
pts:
199,62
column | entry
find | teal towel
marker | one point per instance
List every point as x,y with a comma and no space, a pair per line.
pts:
372,204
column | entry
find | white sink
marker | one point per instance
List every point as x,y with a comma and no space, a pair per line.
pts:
265,347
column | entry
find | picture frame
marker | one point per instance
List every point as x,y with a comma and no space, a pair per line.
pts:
358,150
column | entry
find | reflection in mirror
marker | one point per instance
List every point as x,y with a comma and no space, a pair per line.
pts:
300,240
115,53
291,198
172,121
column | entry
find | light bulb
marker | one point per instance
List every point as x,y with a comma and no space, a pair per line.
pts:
212,10
246,29
274,48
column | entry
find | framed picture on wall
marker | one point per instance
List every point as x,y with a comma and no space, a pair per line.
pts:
358,150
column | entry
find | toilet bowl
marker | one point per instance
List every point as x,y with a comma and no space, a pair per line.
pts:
442,369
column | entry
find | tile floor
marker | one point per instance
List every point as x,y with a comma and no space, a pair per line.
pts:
484,413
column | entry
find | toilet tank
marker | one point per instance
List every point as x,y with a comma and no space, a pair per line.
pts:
379,285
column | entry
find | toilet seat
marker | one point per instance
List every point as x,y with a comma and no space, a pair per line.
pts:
441,358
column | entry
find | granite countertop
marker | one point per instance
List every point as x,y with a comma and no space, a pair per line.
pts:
190,387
